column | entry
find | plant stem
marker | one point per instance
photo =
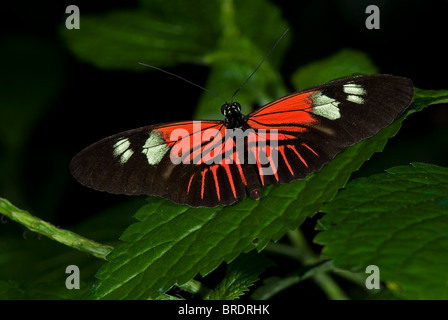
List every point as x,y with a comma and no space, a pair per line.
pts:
308,257
330,287
196,287
66,237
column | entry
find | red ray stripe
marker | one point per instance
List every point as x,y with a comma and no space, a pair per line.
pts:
213,169
203,183
229,175
307,146
271,161
298,154
240,170
189,183
282,152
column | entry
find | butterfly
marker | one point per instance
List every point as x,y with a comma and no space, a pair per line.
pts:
217,162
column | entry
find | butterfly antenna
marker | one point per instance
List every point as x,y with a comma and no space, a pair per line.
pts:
173,74
265,57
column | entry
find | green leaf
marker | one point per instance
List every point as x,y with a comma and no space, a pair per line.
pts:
398,221
169,33
163,33
121,39
171,244
423,98
345,62
242,274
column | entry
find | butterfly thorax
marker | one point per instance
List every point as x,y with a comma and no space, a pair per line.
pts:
234,117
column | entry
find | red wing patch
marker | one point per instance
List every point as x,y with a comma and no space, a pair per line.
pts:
187,141
289,114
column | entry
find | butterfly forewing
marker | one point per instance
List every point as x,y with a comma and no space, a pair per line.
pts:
165,160
316,124
198,163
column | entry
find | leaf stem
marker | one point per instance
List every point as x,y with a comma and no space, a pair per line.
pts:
196,287
330,287
65,237
308,257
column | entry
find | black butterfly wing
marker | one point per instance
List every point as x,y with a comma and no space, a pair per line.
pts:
139,162
316,124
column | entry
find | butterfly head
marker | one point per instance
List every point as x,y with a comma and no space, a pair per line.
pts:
230,110
234,117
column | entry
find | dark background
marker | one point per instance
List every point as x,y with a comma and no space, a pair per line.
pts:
91,103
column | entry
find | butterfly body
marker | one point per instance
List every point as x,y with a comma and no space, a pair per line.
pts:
216,162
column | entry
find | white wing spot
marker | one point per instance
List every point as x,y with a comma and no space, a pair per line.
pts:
325,106
355,99
155,148
353,88
122,150
126,155
354,92
121,146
